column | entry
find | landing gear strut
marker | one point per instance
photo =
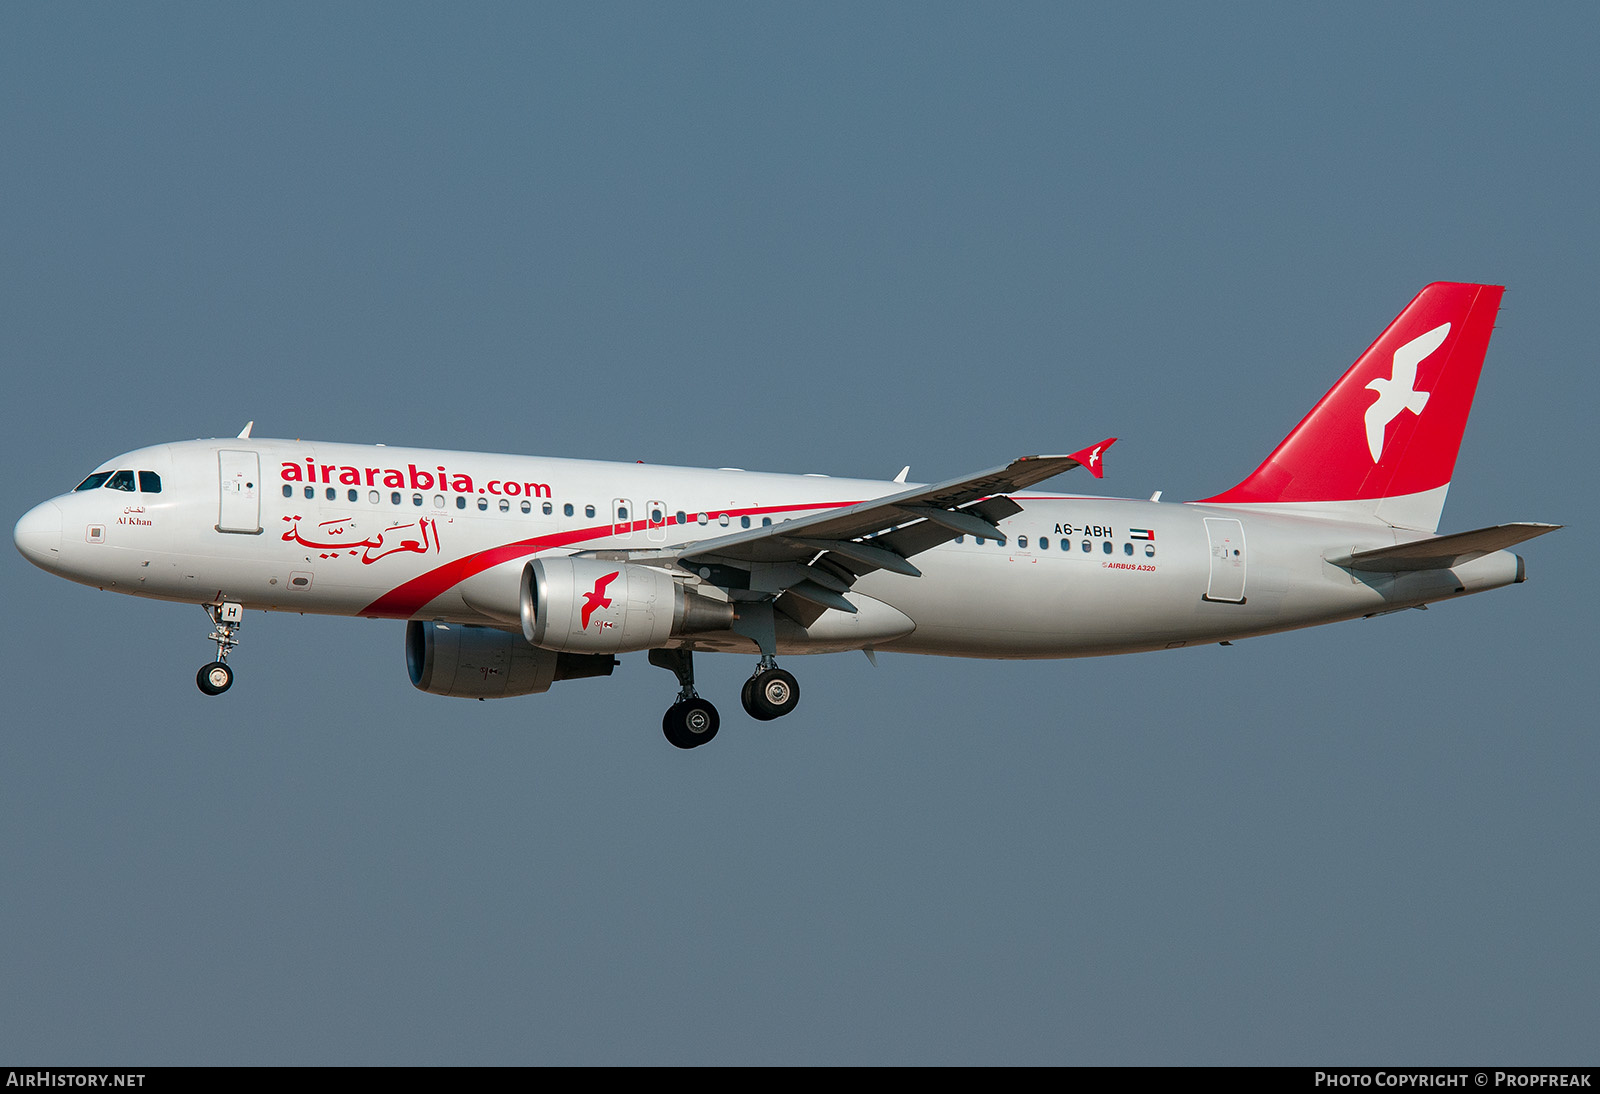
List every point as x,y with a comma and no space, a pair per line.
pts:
691,721
770,693
217,677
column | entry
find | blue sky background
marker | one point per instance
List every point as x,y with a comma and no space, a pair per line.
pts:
823,238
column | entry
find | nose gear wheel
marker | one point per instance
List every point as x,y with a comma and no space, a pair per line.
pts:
228,617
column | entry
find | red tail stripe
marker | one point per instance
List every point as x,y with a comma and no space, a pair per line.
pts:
1329,455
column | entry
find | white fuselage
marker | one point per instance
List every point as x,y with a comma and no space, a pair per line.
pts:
406,533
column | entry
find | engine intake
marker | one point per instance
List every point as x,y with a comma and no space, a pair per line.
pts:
584,605
484,663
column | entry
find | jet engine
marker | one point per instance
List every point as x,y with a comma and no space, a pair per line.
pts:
484,663
585,605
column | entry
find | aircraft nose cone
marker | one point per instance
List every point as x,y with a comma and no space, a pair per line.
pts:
38,535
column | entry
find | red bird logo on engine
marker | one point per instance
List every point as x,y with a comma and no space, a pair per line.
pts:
598,598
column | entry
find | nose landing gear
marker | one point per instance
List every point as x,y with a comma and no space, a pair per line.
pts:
217,677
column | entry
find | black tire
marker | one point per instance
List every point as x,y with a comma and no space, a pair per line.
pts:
691,723
215,678
747,699
773,694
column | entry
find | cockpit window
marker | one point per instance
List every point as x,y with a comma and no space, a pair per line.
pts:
122,480
149,482
94,481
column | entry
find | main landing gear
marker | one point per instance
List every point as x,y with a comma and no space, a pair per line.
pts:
692,721
769,693
217,677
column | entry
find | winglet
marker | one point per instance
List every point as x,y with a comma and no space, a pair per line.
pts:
248,426
1093,456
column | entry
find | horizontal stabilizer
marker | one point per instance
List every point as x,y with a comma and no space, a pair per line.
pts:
1443,552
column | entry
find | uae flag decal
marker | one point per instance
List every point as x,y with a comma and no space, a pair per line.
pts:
1141,533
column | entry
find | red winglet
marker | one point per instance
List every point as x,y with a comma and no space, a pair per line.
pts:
1092,457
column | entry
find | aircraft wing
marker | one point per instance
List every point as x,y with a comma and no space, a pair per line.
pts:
942,504
817,557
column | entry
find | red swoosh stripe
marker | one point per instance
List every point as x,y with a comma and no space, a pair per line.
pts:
407,599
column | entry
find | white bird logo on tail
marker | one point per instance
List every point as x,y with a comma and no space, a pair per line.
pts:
1399,392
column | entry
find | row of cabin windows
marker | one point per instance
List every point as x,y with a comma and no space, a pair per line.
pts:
657,517
1043,544
706,518
151,483
148,482
397,498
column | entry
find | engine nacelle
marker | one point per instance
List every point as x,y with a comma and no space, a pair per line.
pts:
484,663
585,605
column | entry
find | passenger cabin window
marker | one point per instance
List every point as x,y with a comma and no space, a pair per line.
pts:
122,480
566,510
1022,541
547,509
94,481
288,491
352,495
483,503
588,511
505,506
682,519
149,482
1127,548
333,495
311,492
394,498
527,507
461,501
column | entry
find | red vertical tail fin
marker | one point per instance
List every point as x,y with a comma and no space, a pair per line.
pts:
1381,445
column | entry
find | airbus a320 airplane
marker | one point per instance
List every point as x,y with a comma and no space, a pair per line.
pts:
514,572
